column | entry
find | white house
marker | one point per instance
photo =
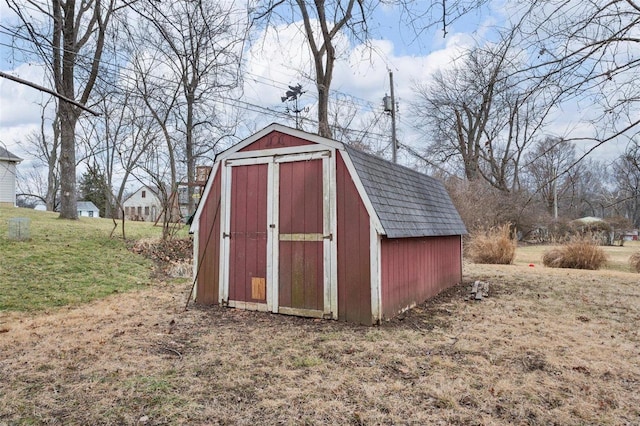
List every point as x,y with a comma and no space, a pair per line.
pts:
87,209
143,205
8,163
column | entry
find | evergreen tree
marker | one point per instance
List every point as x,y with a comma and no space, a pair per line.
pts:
94,188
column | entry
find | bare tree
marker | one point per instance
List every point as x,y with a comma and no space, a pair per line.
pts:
117,141
479,117
323,22
69,38
197,55
549,164
44,147
588,51
627,177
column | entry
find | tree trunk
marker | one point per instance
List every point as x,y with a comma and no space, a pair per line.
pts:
323,111
53,183
191,160
68,199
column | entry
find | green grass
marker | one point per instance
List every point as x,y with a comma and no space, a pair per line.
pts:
67,262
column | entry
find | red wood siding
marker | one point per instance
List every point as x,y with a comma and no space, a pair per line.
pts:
301,212
276,140
248,245
415,269
354,267
209,246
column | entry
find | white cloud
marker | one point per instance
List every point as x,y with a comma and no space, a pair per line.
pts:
20,103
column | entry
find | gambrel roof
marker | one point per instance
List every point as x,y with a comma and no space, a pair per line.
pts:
408,203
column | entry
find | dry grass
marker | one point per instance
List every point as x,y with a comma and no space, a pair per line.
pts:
634,262
577,254
494,246
549,346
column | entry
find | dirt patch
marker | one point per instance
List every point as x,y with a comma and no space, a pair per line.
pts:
512,358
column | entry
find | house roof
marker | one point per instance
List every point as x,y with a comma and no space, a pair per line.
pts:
408,203
87,206
7,156
153,189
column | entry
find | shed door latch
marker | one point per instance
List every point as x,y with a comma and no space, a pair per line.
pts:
328,237
225,235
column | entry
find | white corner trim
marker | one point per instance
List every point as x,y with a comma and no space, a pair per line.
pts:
375,251
196,257
225,243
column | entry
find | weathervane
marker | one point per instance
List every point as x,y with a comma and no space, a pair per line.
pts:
293,94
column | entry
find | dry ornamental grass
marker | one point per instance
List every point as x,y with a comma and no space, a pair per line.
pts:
494,246
577,254
634,262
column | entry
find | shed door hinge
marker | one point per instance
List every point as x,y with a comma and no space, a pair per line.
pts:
225,235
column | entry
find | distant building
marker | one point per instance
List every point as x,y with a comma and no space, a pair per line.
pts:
87,209
143,205
8,163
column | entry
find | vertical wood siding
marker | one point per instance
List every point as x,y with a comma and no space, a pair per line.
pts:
209,246
248,245
276,140
416,269
301,213
354,271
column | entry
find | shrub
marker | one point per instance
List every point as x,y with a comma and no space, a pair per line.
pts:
634,261
494,246
577,254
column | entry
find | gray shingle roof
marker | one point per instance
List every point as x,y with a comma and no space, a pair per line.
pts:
6,155
408,203
86,206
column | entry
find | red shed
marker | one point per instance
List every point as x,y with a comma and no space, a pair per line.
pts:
294,223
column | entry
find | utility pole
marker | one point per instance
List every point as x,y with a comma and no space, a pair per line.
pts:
390,107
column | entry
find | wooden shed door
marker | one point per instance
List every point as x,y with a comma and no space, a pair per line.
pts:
301,238
278,250
248,234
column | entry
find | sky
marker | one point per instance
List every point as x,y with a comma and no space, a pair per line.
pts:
275,59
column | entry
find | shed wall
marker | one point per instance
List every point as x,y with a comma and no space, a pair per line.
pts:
416,269
209,246
353,246
276,140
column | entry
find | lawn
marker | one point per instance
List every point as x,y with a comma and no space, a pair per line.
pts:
618,257
67,262
548,346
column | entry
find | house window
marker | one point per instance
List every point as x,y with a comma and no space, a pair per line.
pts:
79,213
146,210
144,194
90,213
139,211
126,211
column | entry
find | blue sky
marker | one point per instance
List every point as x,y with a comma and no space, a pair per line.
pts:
360,73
